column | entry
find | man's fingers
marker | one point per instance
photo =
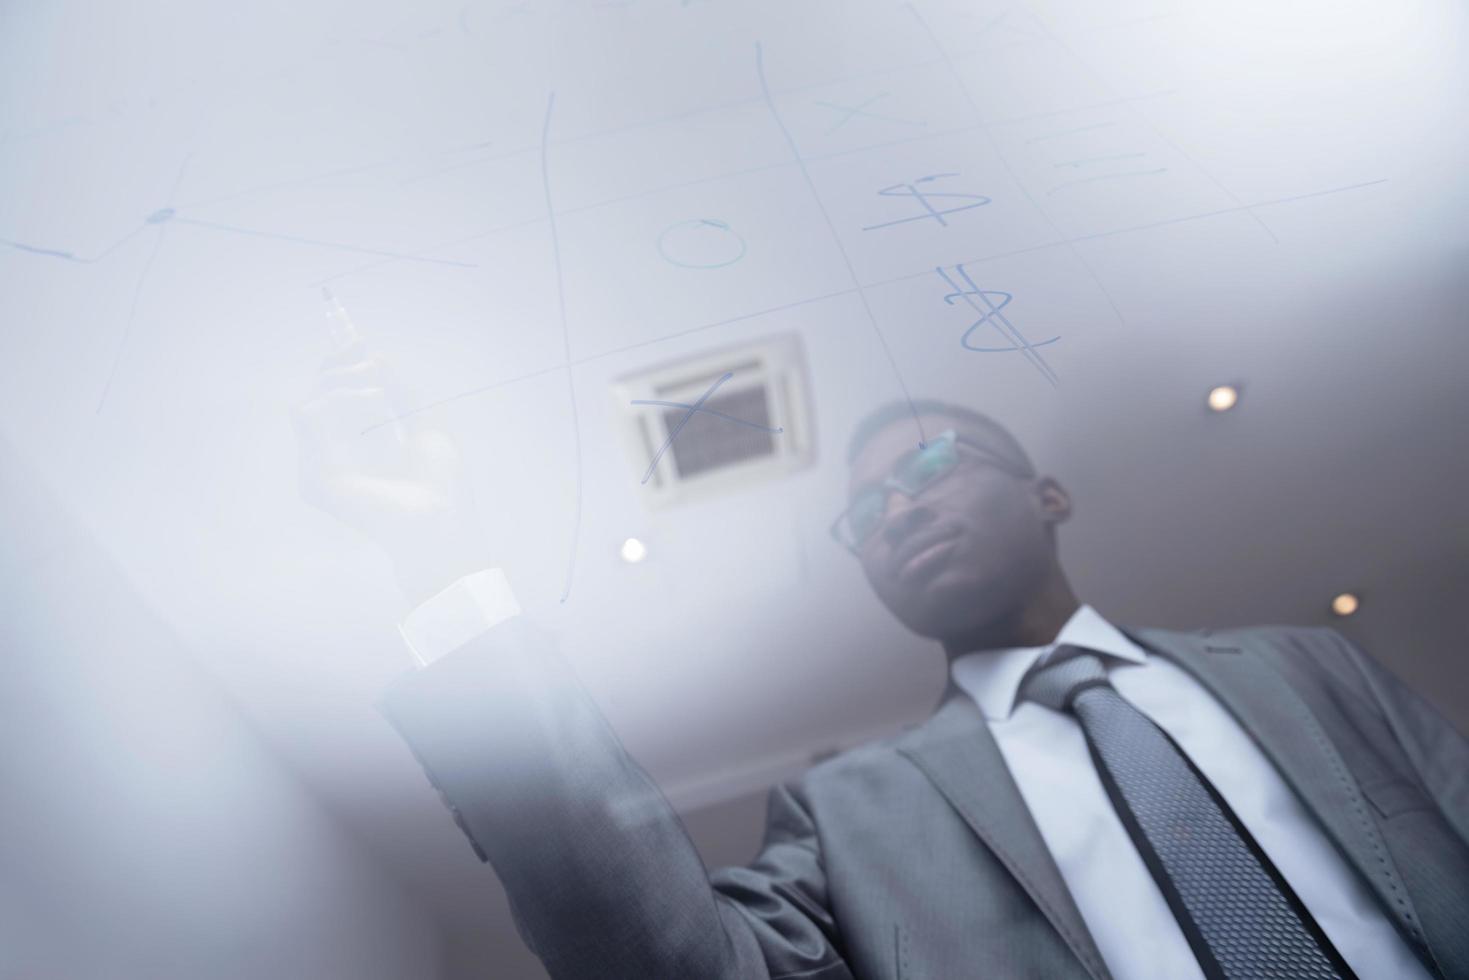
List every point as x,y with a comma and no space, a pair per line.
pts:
369,371
310,456
342,413
352,352
330,400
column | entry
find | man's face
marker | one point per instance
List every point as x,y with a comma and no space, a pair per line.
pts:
966,551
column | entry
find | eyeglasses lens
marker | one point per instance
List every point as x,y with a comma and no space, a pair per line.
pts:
927,465
913,474
865,514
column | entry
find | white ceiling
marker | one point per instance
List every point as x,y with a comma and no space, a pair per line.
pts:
1305,235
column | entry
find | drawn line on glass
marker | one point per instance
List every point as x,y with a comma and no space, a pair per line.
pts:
338,246
1134,21
1219,211
288,182
728,174
1069,132
998,21
851,112
660,120
1005,162
160,218
1093,180
992,316
709,411
293,181
823,297
746,171
836,238
325,175
1108,158
48,252
697,406
171,213
127,327
607,202
565,337
466,165
610,131
900,141
709,110
468,147
959,130
611,352
71,256
1105,104
699,223
1160,134
462,240
619,130
912,190
833,154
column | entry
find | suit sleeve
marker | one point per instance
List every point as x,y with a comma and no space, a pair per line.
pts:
600,873
1439,753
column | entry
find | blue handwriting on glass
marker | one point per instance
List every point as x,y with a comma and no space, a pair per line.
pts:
850,112
982,302
697,406
1084,164
922,196
701,243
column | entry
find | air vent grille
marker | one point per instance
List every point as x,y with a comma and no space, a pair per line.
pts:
753,422
709,442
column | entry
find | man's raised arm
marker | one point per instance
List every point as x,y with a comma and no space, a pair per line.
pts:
601,875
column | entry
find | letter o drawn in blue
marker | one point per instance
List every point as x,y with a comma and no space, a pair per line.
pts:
701,243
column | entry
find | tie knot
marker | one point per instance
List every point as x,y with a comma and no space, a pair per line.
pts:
1069,671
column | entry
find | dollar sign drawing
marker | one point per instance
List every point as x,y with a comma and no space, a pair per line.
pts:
983,302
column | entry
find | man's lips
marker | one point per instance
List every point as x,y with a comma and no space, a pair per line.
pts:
923,555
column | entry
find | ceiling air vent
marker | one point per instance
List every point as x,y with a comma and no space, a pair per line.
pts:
718,421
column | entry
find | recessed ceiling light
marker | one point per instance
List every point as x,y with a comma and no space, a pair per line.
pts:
1345,604
633,551
1223,397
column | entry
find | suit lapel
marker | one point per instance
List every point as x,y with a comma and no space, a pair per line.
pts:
959,755
1280,722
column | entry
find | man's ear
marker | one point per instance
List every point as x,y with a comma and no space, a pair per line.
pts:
1053,500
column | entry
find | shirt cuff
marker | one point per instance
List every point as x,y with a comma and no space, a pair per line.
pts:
458,614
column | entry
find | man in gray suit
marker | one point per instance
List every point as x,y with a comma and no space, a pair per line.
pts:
1087,801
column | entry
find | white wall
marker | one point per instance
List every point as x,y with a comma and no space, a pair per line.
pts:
145,829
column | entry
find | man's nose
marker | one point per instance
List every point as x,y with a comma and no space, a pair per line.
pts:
904,517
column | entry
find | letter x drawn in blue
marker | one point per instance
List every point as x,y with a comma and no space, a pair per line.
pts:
697,406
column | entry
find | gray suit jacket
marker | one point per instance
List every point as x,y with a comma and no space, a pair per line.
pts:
913,858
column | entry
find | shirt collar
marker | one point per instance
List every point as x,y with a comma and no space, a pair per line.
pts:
992,677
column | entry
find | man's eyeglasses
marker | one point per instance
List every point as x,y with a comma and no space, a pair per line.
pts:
911,475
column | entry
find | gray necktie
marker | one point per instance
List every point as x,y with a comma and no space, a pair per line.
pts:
1236,912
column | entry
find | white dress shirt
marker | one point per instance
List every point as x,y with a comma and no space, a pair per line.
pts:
1120,902
451,618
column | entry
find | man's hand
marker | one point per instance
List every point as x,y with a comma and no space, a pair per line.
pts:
398,483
